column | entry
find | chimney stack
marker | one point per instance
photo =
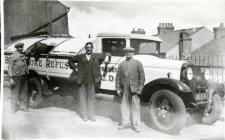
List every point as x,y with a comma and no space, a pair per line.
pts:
165,28
219,31
184,44
139,31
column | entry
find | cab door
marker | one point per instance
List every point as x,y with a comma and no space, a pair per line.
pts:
114,46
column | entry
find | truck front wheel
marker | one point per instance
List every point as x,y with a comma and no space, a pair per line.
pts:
167,111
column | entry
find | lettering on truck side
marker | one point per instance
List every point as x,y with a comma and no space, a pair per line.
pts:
60,68
49,63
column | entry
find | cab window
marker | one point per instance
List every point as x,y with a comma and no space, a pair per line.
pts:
144,46
114,46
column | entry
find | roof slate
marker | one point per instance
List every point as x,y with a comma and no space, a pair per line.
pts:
216,47
171,39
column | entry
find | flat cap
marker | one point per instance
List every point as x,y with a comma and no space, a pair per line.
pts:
129,49
19,45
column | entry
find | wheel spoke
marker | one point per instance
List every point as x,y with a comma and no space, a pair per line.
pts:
165,111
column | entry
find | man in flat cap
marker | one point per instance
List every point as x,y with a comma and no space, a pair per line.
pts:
130,80
17,70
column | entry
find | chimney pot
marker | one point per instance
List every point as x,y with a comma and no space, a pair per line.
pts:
219,31
165,28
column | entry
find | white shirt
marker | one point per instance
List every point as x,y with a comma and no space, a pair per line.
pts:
88,56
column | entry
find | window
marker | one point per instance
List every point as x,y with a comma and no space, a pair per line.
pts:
114,46
144,46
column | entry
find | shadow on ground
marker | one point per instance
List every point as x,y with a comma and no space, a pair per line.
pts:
107,106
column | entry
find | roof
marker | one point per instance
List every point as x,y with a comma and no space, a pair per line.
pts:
129,35
171,39
216,47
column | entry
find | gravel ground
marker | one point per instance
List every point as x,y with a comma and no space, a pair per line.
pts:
58,118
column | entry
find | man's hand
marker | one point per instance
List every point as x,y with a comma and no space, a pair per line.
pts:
107,58
108,54
118,92
139,92
12,83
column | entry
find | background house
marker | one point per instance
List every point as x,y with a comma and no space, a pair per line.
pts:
213,52
179,44
27,17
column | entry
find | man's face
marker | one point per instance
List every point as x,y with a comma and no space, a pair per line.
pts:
89,49
19,49
129,54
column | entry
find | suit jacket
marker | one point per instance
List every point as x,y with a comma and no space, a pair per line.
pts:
17,64
135,78
96,59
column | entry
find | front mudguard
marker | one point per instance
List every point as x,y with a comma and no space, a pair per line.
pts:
174,85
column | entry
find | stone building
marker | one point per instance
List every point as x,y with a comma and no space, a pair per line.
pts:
180,43
29,17
215,47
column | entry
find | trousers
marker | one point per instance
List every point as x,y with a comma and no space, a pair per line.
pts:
130,108
19,93
87,99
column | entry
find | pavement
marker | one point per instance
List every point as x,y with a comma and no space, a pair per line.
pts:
58,118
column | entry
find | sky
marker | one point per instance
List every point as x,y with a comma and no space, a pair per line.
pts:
94,16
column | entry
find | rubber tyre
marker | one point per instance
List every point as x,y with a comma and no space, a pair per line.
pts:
36,92
176,111
215,111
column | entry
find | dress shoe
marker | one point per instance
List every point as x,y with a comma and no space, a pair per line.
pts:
26,110
13,112
123,127
92,118
137,130
85,118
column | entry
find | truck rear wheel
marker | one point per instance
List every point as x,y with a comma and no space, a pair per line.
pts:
35,90
167,111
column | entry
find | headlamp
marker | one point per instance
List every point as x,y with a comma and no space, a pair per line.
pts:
207,74
189,73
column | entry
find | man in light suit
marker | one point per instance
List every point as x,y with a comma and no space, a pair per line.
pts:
130,80
88,78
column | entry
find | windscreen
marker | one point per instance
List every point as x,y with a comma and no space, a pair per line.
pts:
114,46
142,46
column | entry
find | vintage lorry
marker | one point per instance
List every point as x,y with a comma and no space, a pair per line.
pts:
172,87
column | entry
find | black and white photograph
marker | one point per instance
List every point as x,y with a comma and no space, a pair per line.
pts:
92,69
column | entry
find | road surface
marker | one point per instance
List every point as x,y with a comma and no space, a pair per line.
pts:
58,118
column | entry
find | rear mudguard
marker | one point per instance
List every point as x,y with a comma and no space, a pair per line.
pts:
176,86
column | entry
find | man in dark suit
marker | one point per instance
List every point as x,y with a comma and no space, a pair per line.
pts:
88,78
130,80
18,71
